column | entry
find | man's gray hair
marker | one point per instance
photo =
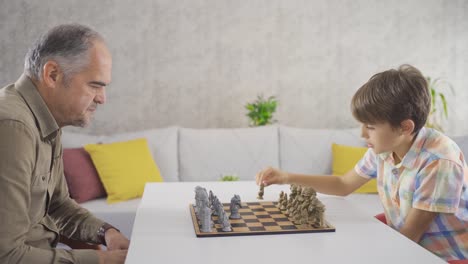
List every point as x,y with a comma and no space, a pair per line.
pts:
67,45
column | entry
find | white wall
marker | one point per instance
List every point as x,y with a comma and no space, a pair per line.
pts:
195,63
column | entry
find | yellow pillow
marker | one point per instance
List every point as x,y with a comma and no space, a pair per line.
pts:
345,158
124,168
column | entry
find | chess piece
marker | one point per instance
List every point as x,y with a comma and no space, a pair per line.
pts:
292,198
234,207
294,214
316,211
217,206
321,215
205,219
201,199
280,200
220,211
260,192
303,215
293,191
225,224
210,199
284,203
309,192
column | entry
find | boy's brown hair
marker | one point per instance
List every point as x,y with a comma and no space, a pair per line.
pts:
393,96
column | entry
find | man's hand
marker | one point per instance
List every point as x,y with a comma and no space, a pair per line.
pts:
115,240
112,257
270,176
117,246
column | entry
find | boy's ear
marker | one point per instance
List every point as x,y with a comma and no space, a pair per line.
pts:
407,127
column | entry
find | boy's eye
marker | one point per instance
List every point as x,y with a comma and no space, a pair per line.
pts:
369,127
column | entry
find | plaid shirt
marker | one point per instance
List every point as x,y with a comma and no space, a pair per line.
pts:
433,176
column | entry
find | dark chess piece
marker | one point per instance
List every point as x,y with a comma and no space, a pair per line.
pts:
261,192
234,207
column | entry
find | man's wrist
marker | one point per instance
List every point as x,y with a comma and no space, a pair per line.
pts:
101,233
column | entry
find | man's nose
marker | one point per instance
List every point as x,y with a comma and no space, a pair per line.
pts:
101,96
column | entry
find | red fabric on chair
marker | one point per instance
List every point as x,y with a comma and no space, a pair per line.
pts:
381,218
461,261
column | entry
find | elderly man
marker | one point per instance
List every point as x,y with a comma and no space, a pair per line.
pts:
65,76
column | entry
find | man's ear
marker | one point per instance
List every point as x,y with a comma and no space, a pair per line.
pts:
407,127
51,74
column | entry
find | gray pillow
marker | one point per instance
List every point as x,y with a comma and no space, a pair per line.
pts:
462,142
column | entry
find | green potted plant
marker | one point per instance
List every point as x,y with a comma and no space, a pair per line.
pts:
229,178
260,111
439,105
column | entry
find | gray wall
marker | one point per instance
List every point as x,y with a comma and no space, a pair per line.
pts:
195,63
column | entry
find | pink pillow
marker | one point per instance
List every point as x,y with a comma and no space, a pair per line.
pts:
81,175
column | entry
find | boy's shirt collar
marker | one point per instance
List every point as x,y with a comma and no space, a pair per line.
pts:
409,159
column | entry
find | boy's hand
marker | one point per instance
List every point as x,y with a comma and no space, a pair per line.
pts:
270,176
112,257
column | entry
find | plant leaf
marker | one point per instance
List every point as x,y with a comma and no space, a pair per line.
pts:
444,104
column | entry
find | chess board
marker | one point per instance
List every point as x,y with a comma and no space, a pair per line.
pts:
257,218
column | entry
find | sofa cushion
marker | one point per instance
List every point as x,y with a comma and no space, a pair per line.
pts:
206,154
462,142
81,175
161,141
77,140
309,151
344,160
124,168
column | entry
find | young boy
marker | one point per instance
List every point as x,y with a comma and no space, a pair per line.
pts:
421,174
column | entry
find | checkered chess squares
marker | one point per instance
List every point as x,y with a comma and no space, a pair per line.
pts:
257,218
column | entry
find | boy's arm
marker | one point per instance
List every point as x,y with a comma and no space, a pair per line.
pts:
327,184
439,190
416,224
330,184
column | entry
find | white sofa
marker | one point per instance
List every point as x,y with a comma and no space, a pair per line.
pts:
184,154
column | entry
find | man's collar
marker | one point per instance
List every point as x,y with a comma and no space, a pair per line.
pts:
48,127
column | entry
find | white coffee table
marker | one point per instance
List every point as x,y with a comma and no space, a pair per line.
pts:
163,233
